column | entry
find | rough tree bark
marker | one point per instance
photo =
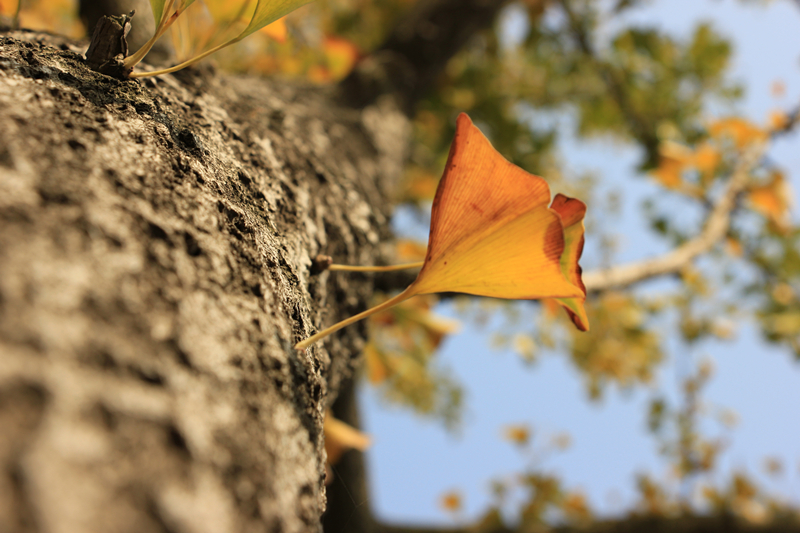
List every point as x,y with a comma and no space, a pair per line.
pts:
155,245
155,271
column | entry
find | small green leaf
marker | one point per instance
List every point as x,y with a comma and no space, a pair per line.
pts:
158,9
268,11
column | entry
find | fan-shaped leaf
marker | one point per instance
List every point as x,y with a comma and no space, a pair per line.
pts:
268,11
492,233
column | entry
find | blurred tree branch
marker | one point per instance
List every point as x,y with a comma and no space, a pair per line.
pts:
714,230
640,128
414,55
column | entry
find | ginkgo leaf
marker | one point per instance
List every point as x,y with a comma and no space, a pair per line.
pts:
158,9
493,234
673,160
268,11
773,200
572,212
739,130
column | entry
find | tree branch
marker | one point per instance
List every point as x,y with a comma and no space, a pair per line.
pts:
714,230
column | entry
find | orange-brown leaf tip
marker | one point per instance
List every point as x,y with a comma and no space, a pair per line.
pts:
492,233
572,212
340,437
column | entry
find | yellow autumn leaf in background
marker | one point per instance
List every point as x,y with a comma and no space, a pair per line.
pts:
518,434
774,200
451,502
57,16
706,159
277,30
674,158
742,132
340,56
408,250
778,120
340,437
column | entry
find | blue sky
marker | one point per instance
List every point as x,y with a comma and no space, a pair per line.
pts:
413,461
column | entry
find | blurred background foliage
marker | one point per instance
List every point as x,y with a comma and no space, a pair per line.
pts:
670,97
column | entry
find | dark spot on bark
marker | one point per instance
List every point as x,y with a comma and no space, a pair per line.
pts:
156,232
102,359
54,196
5,158
176,440
189,140
246,181
143,108
94,134
192,246
25,519
77,146
277,526
150,376
256,290
183,357
277,117
106,417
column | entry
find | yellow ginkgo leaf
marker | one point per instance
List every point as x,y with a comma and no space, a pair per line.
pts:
673,159
739,130
492,233
773,200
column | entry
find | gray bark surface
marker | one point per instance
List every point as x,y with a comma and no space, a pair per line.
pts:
155,250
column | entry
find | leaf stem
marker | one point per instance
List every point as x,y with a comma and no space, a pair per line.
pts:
403,296
389,268
186,63
132,60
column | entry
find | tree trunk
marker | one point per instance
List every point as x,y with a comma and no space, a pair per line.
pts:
155,252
